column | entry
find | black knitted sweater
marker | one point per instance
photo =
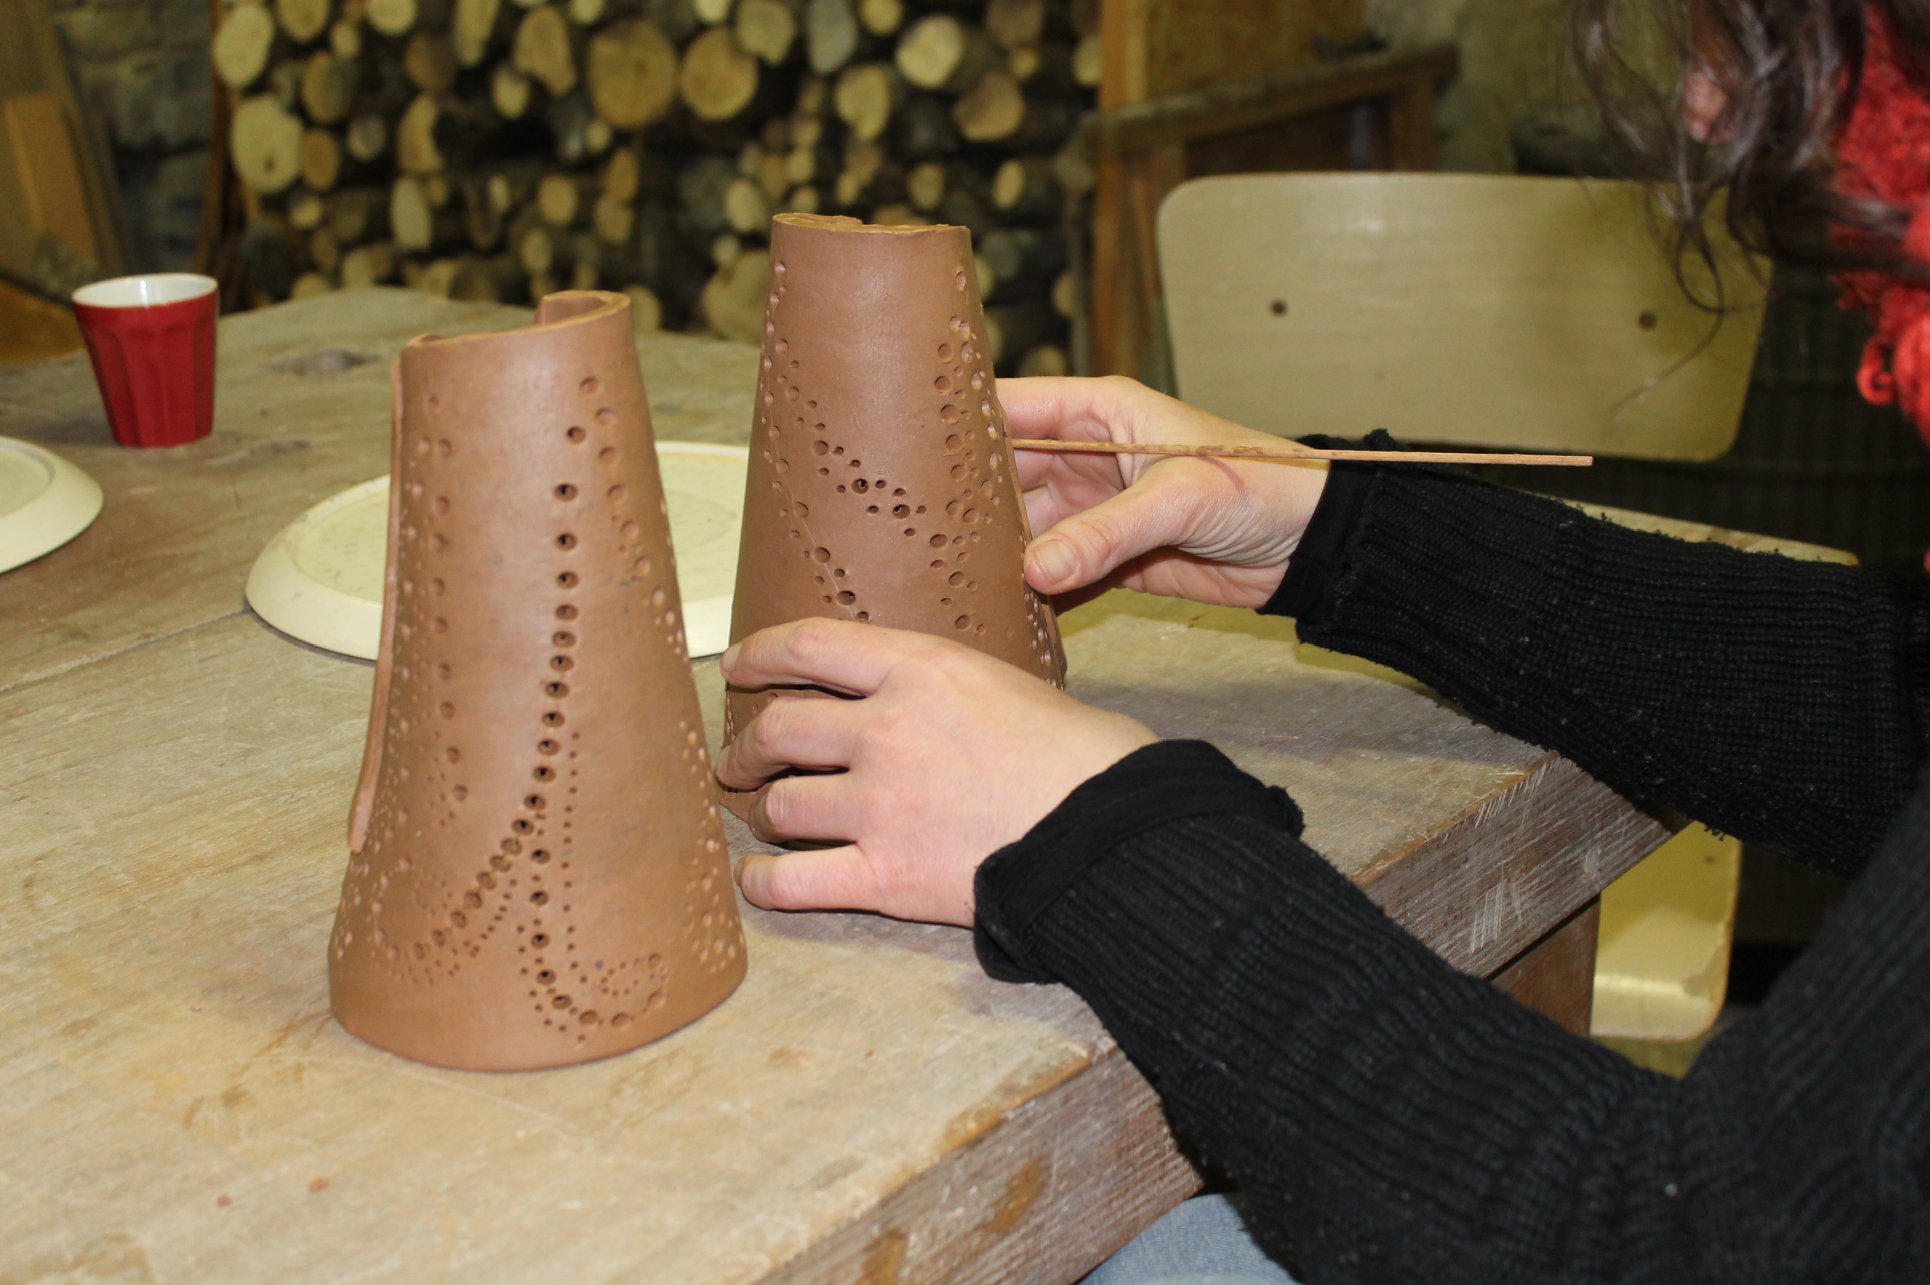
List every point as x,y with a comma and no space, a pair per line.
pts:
1392,1120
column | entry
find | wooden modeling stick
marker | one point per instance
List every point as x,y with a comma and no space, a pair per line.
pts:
1292,453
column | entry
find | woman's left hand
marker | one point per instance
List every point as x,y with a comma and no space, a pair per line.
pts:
949,755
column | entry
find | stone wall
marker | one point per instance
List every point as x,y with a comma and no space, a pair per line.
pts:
141,70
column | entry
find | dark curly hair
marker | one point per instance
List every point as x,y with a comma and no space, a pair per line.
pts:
1789,71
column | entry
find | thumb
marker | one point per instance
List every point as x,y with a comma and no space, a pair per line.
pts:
1088,546
824,879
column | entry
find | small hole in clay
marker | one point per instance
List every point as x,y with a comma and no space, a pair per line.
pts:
566,492
608,455
566,541
453,754
847,597
539,940
605,416
567,580
563,638
544,774
937,542
459,793
539,898
556,690
541,856
561,664
554,718
546,976
591,386
522,825
576,433
535,802
864,615
963,622
547,746
446,710
566,612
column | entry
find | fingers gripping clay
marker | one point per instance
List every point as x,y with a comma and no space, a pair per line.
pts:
881,484
538,875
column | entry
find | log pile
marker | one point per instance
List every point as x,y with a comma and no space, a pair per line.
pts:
501,149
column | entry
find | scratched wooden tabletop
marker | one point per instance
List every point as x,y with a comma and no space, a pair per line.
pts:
176,1103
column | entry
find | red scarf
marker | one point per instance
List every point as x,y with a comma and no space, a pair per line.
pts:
1884,152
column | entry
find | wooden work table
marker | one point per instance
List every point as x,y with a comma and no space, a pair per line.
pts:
176,1103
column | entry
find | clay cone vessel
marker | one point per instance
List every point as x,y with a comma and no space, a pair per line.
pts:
881,484
538,873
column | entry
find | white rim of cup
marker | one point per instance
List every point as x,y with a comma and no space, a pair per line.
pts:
147,290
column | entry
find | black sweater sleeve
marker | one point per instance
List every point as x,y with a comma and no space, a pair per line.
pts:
1779,700
1392,1120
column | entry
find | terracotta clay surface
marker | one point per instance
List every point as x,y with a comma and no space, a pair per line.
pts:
538,873
881,485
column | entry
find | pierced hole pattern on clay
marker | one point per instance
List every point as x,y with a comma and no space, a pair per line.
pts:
519,894
798,435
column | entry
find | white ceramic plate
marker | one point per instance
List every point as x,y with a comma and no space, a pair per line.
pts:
320,578
44,502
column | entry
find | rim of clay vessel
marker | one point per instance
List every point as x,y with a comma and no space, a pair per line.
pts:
845,223
576,307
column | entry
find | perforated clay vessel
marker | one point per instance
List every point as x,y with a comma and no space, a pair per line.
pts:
538,873
881,485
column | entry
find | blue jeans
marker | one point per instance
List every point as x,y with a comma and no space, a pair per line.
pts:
1203,1242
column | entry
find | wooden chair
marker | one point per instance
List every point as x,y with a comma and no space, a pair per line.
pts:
1494,311
1187,89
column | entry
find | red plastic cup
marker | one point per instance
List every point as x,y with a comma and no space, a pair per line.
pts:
152,342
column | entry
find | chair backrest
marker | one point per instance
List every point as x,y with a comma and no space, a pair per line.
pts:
1450,308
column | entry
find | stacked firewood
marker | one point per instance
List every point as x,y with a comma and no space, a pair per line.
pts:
501,149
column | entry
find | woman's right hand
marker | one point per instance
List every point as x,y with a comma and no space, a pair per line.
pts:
1213,530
